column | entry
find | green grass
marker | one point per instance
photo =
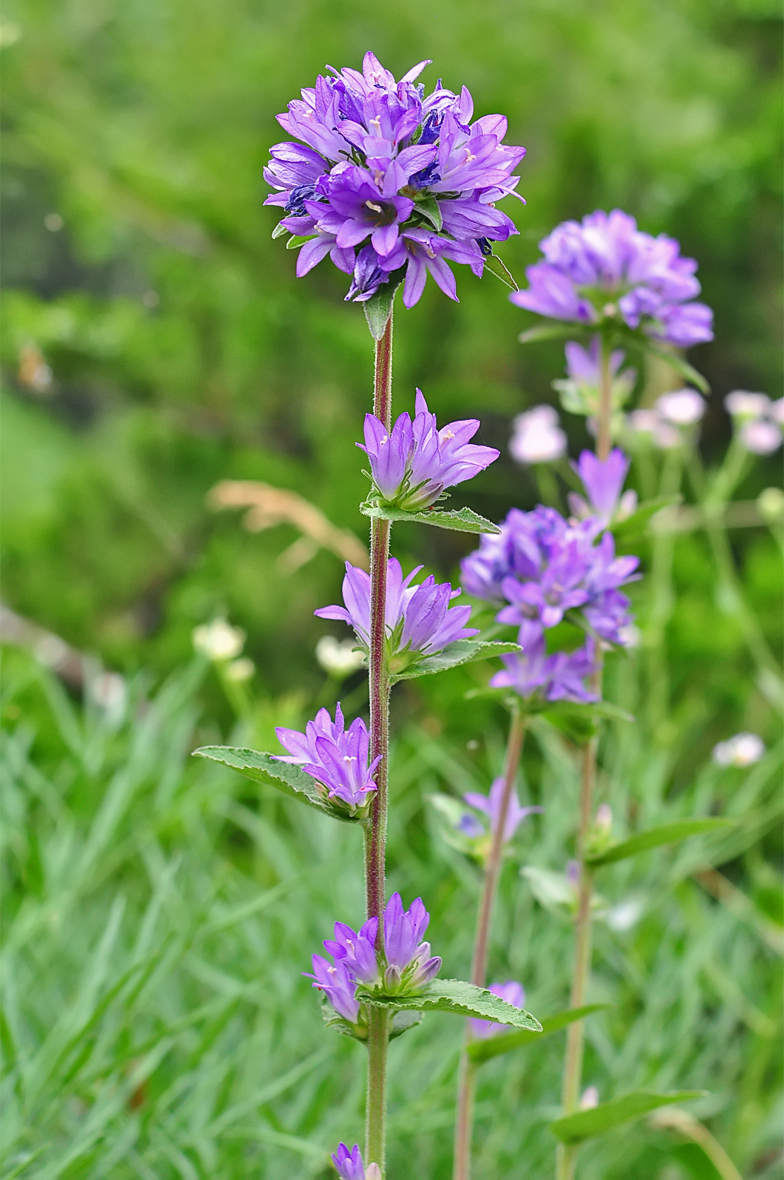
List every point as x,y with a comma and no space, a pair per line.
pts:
159,912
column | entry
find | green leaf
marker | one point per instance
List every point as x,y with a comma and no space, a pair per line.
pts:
263,768
297,240
494,264
378,308
635,524
480,1051
655,837
430,209
462,520
579,722
463,651
279,231
679,364
463,999
552,332
585,1124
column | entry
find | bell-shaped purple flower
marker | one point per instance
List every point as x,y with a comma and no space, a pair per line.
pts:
357,951
350,1167
603,481
419,619
409,964
335,757
514,994
606,269
414,463
534,674
491,806
373,158
338,986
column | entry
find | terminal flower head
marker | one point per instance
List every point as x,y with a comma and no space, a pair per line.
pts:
413,464
350,1167
514,994
604,269
682,407
491,806
537,437
419,619
335,757
409,964
384,178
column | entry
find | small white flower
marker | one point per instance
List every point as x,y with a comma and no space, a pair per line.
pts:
338,658
759,436
683,407
776,411
744,749
630,636
241,669
218,640
643,421
742,404
590,1098
537,436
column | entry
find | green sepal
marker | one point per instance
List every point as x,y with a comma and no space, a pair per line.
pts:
655,837
585,1124
484,1050
462,651
462,999
279,231
297,240
635,524
429,208
555,332
378,308
678,363
462,520
494,264
283,776
401,1023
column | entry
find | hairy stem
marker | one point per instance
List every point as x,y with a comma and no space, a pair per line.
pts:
566,1156
376,828
466,1079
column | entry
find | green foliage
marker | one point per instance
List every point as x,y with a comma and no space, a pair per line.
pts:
495,1046
586,1124
464,520
462,651
463,999
655,838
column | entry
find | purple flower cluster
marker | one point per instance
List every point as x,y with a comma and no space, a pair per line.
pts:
350,1166
491,806
384,178
606,269
335,757
514,994
415,462
419,619
539,567
405,966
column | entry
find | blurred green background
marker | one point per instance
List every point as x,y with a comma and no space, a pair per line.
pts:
155,341
182,348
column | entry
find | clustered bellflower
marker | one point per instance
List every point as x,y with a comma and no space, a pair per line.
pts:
337,758
385,179
405,967
604,269
415,462
490,805
419,619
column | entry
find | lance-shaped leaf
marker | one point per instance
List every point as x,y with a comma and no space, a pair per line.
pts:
586,1124
462,520
483,1050
463,651
378,308
554,332
655,837
283,776
496,267
675,361
431,210
462,999
297,240
637,523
